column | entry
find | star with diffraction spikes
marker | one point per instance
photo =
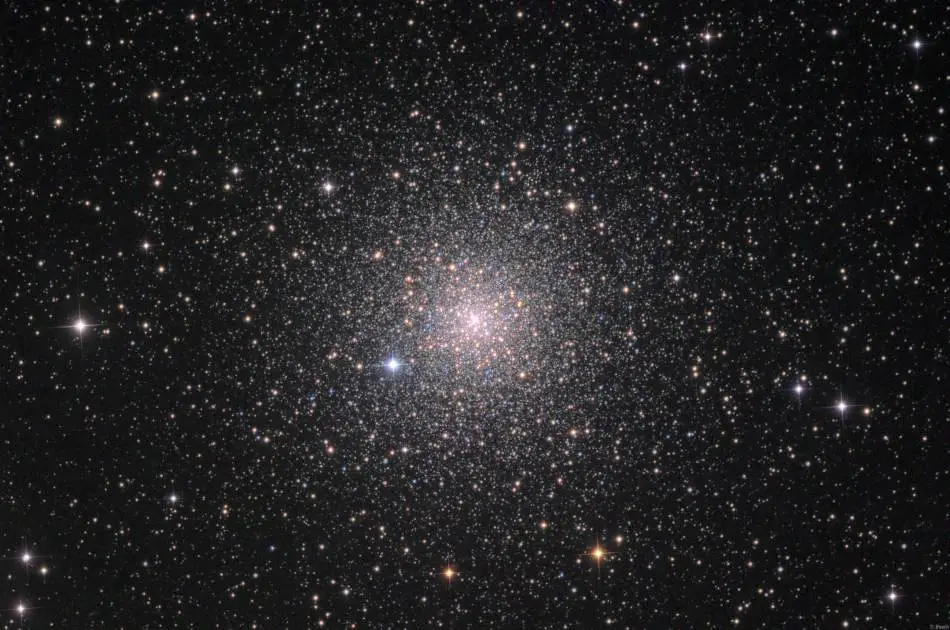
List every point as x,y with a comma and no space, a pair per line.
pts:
599,554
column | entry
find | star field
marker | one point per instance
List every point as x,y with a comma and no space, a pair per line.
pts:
474,315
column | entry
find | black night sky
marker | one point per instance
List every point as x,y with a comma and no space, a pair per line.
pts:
445,314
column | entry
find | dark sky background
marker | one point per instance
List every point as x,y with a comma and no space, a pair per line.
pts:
454,315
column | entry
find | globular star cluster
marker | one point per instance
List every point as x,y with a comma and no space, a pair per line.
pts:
474,315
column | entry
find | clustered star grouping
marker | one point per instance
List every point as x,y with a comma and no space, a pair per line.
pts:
474,315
